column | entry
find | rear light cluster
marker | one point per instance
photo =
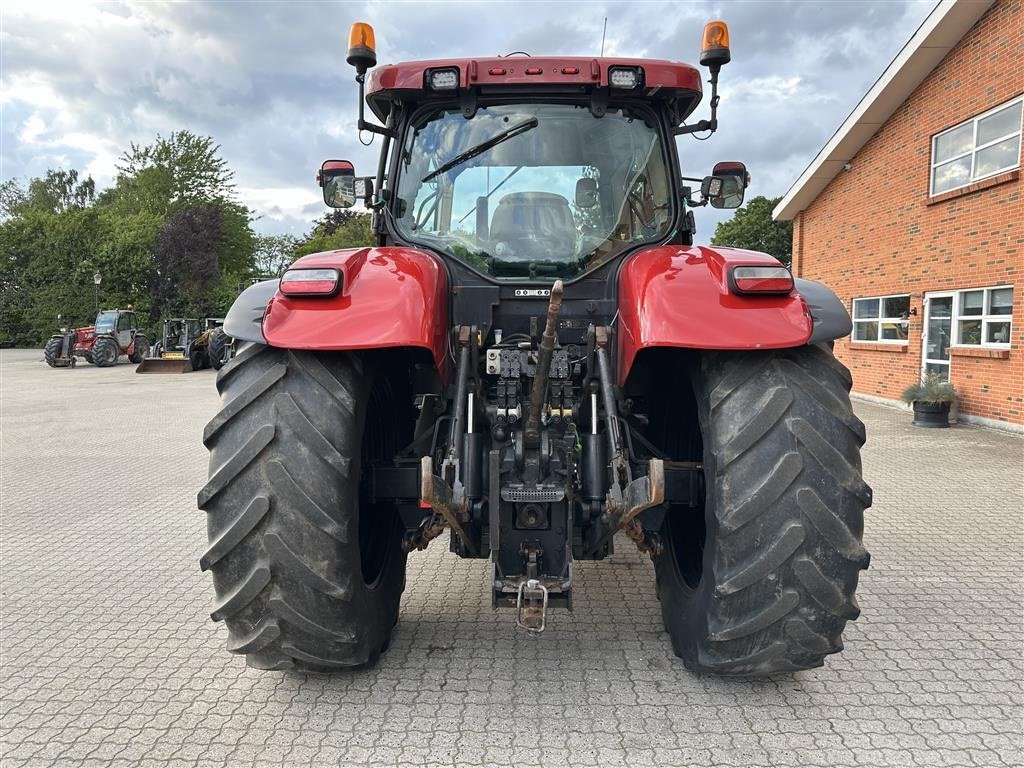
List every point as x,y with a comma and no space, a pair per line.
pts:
310,282
761,280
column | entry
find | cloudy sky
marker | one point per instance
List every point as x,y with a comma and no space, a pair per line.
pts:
268,80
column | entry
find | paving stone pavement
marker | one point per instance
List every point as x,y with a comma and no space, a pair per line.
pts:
108,656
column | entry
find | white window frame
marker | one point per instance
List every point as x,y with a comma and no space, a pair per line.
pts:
986,317
973,152
878,321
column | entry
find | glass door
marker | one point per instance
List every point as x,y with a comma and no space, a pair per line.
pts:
937,336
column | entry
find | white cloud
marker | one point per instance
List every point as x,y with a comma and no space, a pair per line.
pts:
34,89
34,128
281,203
269,82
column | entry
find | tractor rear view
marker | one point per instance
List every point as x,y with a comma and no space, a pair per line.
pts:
535,357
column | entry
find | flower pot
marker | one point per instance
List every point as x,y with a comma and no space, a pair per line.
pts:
933,415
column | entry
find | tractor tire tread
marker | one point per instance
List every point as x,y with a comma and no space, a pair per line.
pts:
52,350
103,360
216,348
284,551
784,550
140,351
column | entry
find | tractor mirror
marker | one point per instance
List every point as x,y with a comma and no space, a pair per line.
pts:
337,177
726,185
586,192
363,186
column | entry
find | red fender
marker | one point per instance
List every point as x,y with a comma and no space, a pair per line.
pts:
675,296
390,297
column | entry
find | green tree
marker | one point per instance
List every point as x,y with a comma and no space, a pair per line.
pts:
56,192
187,264
752,227
125,259
182,178
177,171
55,233
47,262
272,253
338,229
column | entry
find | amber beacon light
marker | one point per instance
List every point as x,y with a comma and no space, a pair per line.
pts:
714,47
362,49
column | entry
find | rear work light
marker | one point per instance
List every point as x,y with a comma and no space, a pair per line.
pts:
446,79
624,77
310,282
761,280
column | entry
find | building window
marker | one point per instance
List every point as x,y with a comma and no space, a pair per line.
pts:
881,319
983,317
983,146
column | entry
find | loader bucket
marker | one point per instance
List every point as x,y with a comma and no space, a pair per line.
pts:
165,365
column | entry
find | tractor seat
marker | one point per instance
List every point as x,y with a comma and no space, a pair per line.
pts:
542,217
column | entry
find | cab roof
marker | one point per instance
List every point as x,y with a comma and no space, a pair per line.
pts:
661,78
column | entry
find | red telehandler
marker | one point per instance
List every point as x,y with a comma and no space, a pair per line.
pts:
116,332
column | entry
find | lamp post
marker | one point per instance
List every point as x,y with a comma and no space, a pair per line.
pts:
96,280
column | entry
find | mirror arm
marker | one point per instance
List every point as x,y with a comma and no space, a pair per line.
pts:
687,194
705,125
362,125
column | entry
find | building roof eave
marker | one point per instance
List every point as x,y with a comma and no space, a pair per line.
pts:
938,34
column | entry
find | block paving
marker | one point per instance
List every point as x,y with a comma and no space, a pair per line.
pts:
108,655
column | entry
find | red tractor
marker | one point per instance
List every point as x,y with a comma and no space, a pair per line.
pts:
535,356
115,333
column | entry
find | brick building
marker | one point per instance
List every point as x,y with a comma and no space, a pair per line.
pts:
913,213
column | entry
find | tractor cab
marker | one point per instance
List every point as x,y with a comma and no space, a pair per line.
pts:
106,321
529,168
121,324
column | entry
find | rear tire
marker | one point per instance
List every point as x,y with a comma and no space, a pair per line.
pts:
52,350
197,357
141,350
302,578
105,352
217,348
763,580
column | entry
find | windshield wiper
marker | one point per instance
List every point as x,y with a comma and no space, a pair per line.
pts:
469,154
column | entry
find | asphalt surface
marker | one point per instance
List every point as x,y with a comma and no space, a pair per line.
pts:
108,656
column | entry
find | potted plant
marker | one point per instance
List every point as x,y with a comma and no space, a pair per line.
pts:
931,398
